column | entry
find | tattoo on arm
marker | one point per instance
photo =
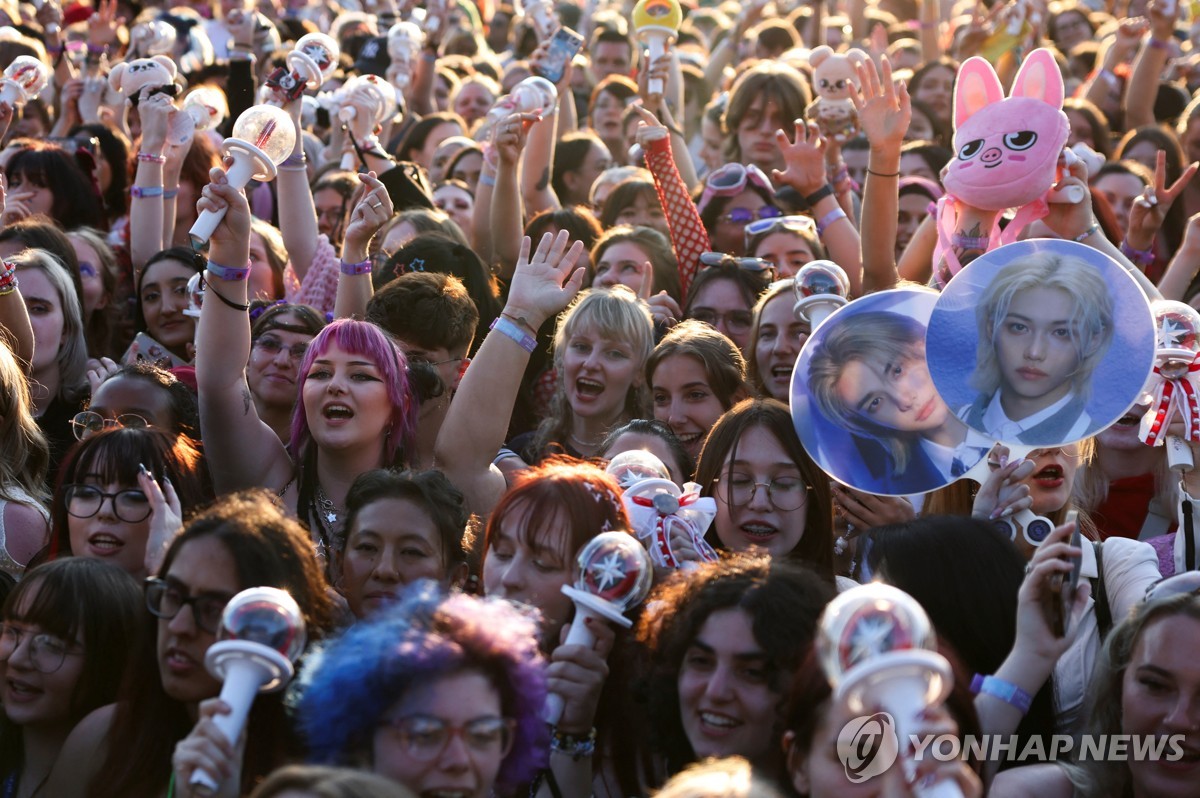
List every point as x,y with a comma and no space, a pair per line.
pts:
246,400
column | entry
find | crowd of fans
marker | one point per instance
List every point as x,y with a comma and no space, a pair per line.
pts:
390,383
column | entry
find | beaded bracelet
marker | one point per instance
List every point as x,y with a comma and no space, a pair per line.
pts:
228,272
146,192
828,219
149,157
1142,257
571,745
1087,233
352,269
510,330
8,279
1007,692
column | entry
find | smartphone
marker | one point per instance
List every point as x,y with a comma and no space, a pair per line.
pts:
565,44
1072,580
146,348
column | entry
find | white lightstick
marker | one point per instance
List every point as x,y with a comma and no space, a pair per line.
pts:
877,649
23,80
262,634
657,24
615,573
155,37
314,58
405,40
376,98
203,109
263,137
820,287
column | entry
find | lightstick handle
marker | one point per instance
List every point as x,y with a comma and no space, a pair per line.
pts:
578,635
906,702
657,44
347,161
1179,454
243,679
206,223
11,92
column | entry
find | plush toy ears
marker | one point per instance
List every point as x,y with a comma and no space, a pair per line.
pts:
114,76
977,87
1040,78
169,65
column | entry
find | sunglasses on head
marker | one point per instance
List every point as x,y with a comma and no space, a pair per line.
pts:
745,215
731,180
712,260
765,226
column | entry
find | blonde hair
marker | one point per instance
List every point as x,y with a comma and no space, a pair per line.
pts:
26,458
72,352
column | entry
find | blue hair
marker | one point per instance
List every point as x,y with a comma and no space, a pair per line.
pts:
419,639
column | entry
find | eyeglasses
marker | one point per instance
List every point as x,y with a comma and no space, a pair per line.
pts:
87,423
165,600
760,266
745,215
272,346
1177,585
785,493
730,180
804,225
1036,453
736,321
84,501
425,737
46,652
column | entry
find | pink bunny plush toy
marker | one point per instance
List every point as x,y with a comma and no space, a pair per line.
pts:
1006,150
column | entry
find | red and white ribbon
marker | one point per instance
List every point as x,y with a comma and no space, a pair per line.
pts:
655,527
1171,397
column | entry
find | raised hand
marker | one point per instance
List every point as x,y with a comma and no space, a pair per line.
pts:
156,113
1004,492
166,517
803,158
207,749
864,510
1041,590
103,24
649,128
511,134
371,212
1150,210
884,109
234,229
545,282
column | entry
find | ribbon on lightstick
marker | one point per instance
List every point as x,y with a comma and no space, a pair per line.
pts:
658,510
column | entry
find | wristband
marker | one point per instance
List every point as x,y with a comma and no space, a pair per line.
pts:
98,49
170,193
1158,44
146,192
8,279
571,745
1007,692
519,320
486,180
510,330
871,171
149,157
296,160
818,195
970,242
1087,233
229,303
828,219
1142,257
228,272
351,269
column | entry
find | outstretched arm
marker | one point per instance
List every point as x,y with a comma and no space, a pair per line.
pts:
542,285
242,451
354,288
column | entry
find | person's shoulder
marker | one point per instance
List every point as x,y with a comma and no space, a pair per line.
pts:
1044,781
82,754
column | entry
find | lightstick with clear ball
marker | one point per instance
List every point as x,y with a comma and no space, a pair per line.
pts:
373,97
820,288
1174,386
656,23
615,574
404,42
262,635
23,80
878,650
203,109
263,137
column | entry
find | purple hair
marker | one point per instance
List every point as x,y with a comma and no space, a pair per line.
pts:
411,644
361,338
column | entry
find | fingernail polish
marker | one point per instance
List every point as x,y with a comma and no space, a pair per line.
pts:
142,469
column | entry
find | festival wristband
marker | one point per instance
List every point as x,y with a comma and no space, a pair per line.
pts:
170,193
828,219
145,192
228,272
1086,234
1142,257
818,195
486,180
1007,692
352,269
149,157
510,330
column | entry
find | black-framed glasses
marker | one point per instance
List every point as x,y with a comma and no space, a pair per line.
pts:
425,737
165,600
785,493
736,321
272,346
87,423
46,651
758,266
84,501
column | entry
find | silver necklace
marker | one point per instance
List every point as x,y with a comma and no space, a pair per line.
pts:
328,508
581,444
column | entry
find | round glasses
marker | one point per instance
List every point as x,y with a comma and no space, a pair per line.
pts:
785,493
84,501
46,652
87,423
165,600
272,346
425,737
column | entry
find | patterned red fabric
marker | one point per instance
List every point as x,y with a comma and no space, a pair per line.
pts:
688,236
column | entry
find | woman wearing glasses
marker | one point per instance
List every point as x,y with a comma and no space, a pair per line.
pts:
725,292
279,337
443,695
242,541
770,495
67,634
122,495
